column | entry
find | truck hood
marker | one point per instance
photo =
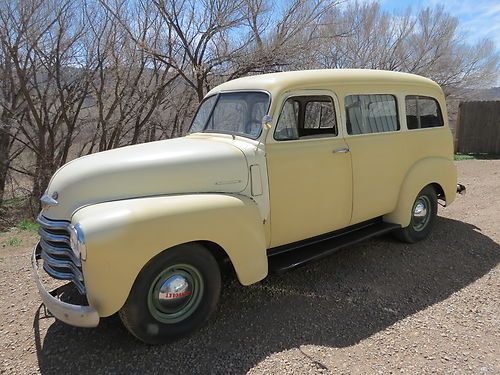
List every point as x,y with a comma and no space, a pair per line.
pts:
181,165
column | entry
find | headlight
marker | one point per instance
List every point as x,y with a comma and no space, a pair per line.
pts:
77,241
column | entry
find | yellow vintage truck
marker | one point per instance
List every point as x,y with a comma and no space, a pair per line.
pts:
277,170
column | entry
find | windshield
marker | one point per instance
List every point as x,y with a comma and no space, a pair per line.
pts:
232,112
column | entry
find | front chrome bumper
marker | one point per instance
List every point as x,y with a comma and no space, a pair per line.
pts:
75,315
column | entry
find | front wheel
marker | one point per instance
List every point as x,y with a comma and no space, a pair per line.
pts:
174,294
423,215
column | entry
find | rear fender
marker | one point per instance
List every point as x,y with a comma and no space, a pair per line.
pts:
427,171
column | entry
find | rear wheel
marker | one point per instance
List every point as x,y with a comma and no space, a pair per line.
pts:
423,215
174,294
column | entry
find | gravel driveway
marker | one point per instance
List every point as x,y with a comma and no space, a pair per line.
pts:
378,307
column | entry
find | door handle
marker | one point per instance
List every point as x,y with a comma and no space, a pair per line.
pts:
341,150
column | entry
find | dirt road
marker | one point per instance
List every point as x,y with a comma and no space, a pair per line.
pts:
378,307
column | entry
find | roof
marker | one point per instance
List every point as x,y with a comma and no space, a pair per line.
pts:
275,82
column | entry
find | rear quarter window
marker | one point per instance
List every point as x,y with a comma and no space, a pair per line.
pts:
422,112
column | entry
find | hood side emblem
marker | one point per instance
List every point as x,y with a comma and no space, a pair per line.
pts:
228,182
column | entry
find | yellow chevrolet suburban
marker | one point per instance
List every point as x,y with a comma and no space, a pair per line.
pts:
277,170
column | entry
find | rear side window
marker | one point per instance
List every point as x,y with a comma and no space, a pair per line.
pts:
422,112
368,114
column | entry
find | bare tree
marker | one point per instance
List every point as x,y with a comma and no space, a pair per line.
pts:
212,41
281,38
199,36
425,43
130,86
79,76
11,112
41,39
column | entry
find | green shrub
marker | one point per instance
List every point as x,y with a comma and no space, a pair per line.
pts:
28,225
12,241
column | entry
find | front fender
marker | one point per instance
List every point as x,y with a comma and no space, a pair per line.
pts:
122,236
430,170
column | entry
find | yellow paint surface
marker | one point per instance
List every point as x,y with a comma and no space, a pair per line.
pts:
311,189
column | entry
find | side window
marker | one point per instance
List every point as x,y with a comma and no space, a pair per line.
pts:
286,128
319,115
371,114
305,117
411,112
422,112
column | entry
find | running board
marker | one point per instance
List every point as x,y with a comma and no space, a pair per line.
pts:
282,261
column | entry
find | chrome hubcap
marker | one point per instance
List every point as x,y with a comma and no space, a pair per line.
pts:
174,292
421,213
420,210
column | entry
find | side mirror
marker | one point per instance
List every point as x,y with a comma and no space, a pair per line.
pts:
266,122
266,126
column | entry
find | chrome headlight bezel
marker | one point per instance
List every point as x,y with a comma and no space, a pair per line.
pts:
77,241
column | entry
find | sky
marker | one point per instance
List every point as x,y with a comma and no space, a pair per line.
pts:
478,18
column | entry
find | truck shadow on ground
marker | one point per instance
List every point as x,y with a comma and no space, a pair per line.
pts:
336,302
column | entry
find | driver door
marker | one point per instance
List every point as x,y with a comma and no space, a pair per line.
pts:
309,169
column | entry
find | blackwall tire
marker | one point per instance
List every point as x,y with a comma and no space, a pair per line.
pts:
420,224
174,294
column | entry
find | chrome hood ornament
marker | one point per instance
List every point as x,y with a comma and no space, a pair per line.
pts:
48,201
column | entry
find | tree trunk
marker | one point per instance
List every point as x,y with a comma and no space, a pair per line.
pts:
43,173
4,158
5,145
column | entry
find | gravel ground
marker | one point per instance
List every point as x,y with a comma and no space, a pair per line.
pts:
378,307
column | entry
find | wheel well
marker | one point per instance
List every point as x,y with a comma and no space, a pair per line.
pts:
220,255
439,191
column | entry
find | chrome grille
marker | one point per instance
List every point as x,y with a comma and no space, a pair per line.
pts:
59,261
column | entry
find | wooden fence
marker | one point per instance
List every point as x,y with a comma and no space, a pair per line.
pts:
478,127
